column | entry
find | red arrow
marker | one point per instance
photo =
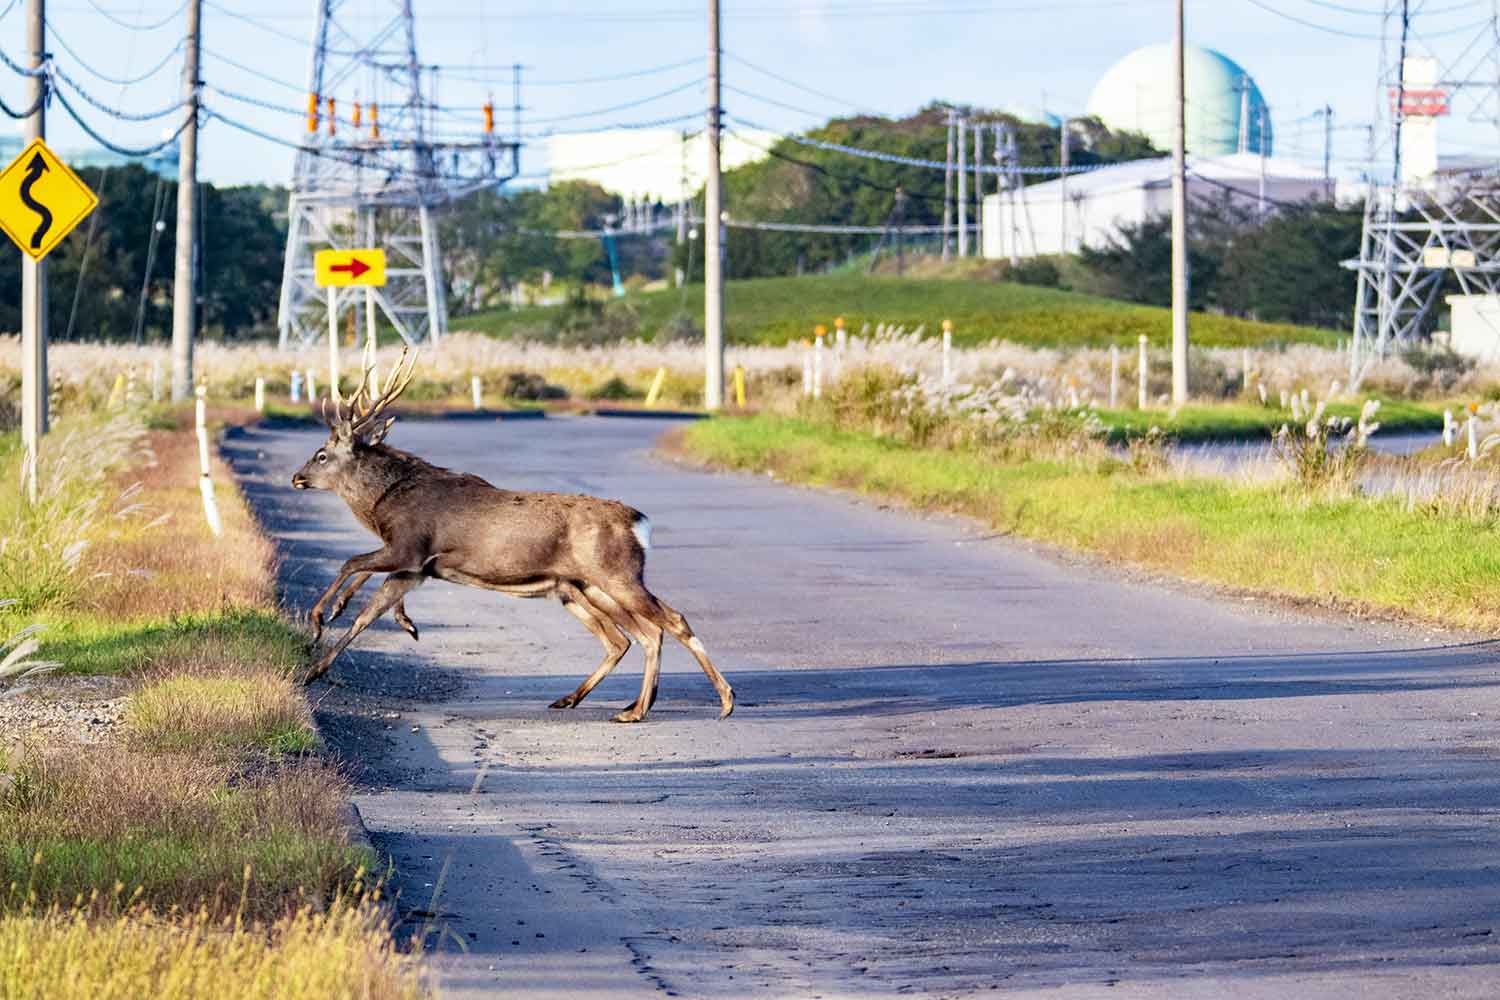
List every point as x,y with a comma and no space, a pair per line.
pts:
355,267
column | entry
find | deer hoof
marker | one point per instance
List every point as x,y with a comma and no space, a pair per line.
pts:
628,716
316,672
728,708
566,701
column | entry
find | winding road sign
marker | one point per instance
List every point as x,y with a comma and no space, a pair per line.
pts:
341,268
41,200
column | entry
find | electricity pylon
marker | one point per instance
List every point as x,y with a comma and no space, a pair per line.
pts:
373,168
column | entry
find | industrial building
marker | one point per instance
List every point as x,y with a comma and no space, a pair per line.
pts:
1063,215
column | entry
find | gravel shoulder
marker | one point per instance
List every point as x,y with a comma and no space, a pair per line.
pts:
958,765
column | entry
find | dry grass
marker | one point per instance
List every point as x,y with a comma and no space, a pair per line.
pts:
199,711
171,831
344,953
168,563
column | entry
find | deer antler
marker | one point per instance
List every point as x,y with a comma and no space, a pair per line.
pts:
367,408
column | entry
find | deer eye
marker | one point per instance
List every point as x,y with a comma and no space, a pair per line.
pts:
322,457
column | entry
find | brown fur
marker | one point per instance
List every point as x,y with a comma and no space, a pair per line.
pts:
437,523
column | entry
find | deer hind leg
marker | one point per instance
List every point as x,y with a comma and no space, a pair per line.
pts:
605,629
395,587
646,632
679,629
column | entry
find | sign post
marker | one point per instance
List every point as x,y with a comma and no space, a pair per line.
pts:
335,269
41,200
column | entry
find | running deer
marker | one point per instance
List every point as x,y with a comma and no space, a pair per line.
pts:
587,552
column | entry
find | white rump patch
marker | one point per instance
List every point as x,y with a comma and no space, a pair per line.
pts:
642,529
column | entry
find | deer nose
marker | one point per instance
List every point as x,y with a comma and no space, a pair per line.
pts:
299,482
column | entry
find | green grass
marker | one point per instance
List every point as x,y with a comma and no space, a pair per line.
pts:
1252,422
231,712
1274,539
775,310
86,644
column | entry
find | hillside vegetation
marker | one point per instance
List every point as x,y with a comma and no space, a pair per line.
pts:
777,310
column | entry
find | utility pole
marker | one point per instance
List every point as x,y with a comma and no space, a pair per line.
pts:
713,212
682,206
34,272
1327,151
1179,219
185,280
948,188
1261,126
963,194
1062,180
978,190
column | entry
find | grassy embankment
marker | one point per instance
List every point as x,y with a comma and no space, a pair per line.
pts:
202,850
777,310
1282,539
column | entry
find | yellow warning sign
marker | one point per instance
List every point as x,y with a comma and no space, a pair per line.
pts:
41,200
340,268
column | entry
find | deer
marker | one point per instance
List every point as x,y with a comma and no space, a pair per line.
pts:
435,523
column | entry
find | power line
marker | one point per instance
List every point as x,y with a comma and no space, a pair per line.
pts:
791,83
299,88
107,144
698,82
168,19
114,112
83,63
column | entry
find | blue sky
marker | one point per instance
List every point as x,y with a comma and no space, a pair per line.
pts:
889,56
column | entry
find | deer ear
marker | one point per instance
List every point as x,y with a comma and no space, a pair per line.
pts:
377,435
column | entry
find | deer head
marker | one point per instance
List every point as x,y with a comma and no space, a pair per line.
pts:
355,426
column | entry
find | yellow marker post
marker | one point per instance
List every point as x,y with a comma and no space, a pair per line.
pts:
655,390
739,386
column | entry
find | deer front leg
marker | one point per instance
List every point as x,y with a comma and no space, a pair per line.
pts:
379,561
395,587
345,595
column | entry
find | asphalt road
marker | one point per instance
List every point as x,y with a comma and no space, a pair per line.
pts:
958,765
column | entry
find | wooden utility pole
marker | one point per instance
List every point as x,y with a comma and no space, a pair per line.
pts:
34,272
948,188
963,193
1179,219
1327,151
1062,184
713,212
185,277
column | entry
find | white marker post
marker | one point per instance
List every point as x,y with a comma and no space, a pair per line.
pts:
1448,426
1114,375
260,394
296,391
333,342
840,344
817,378
806,371
947,351
205,480
1473,438
477,388
312,386
1141,374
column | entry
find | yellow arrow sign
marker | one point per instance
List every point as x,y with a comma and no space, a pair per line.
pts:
41,200
340,268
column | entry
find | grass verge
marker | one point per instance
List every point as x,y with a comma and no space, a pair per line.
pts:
777,310
1343,551
1252,422
343,953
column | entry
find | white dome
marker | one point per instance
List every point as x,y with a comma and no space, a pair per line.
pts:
1136,95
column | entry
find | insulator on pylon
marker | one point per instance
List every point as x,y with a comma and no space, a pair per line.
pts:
489,118
374,120
356,119
312,113
332,118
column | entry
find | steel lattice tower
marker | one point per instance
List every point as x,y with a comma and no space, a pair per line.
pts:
377,176
1415,234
